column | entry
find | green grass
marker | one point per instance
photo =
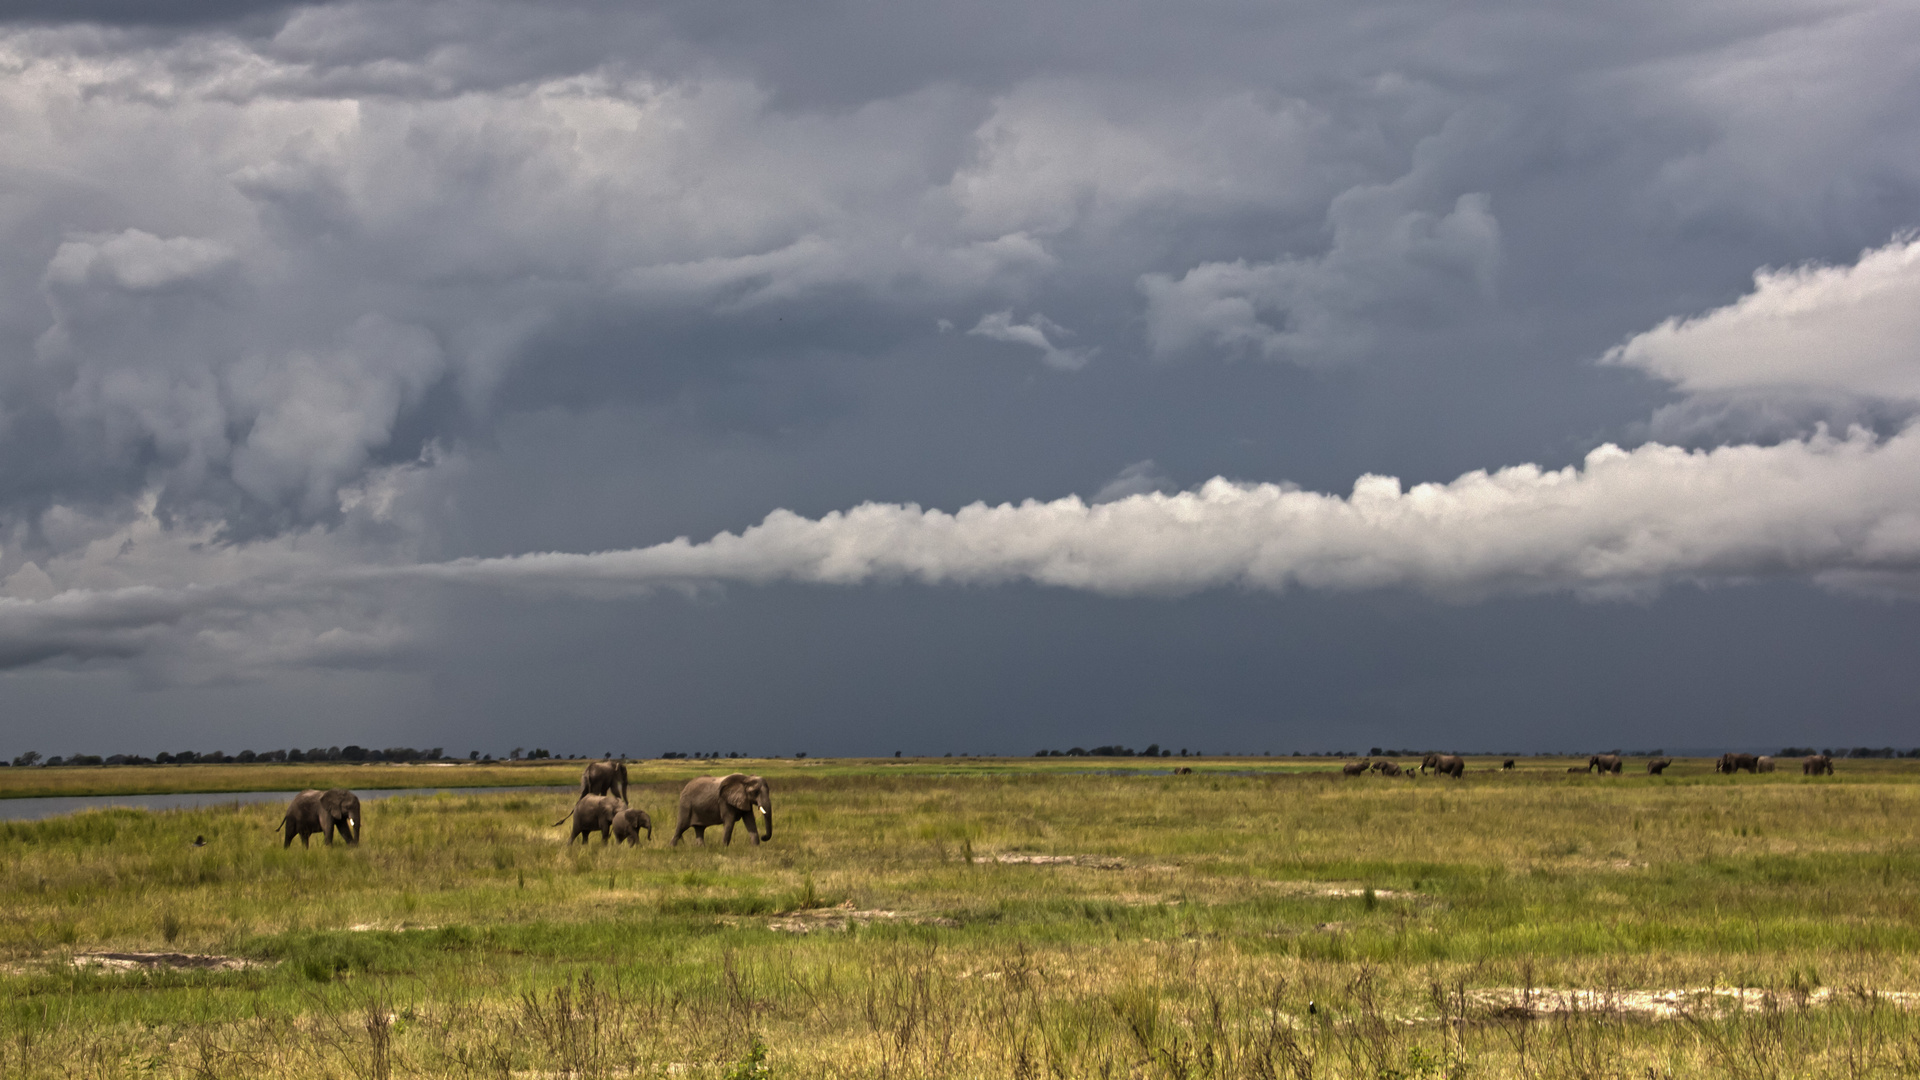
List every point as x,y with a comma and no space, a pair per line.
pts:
1203,914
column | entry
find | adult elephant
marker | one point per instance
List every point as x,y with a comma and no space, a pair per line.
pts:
605,778
1446,764
1658,765
723,800
1606,763
1817,765
592,814
1355,768
313,811
1763,763
1731,763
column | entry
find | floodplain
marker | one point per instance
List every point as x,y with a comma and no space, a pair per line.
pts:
981,917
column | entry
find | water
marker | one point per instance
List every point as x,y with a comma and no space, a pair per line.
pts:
53,805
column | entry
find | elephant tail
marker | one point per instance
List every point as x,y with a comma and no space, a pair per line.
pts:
562,821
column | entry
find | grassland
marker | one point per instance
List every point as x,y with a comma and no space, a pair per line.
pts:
993,918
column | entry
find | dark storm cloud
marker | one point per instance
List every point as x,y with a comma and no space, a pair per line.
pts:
319,318
179,13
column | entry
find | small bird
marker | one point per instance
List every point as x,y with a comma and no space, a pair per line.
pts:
1312,1009
199,841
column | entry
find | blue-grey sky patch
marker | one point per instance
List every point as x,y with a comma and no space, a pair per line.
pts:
1278,374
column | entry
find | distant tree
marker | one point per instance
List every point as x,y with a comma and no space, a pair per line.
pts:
803,753
56,760
245,756
29,758
517,751
473,755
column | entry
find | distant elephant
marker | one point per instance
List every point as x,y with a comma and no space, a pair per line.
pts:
1388,768
627,826
1507,764
1184,770
592,814
1763,763
1731,763
605,778
723,800
1658,765
1355,768
1578,769
1606,763
1445,764
314,811
1817,765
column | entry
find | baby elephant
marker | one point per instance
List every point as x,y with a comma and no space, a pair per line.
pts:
629,823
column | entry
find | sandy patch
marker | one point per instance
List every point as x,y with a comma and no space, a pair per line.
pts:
152,961
1519,1004
808,920
1095,862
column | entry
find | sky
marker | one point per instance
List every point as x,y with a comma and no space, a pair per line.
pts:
848,379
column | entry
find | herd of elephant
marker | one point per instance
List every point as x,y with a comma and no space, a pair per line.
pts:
601,808
1453,765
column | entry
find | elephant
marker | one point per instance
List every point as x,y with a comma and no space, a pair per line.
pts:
1388,768
605,778
1606,763
1507,765
1731,763
1763,763
1445,764
592,814
1817,765
627,826
1658,765
1355,768
314,811
723,800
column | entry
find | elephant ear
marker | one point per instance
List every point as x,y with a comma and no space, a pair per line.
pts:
733,790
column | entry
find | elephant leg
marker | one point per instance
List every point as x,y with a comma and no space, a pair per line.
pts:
726,835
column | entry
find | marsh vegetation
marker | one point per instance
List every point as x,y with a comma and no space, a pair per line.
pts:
996,918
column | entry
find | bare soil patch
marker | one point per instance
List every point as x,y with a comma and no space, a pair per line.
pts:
154,961
808,920
1513,1003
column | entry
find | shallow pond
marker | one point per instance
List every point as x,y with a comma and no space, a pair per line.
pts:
50,806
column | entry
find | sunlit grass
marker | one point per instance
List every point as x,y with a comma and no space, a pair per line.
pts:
1199,917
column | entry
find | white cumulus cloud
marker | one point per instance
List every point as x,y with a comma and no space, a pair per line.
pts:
1000,326
1847,329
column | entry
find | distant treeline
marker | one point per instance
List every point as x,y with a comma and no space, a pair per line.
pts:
1110,751
1856,752
218,757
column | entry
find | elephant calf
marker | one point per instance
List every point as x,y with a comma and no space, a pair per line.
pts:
1658,765
627,826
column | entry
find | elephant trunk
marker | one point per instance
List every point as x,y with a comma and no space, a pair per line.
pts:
766,817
